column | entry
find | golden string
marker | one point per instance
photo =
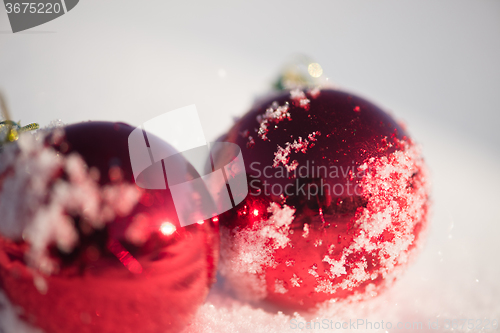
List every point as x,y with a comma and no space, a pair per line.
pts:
13,128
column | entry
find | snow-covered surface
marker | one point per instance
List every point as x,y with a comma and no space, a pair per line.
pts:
435,64
455,277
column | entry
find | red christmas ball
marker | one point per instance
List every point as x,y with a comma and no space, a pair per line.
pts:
337,205
84,249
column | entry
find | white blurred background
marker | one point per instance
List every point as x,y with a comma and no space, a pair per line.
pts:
433,64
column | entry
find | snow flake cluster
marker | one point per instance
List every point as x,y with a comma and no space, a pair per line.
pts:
282,155
273,115
397,190
277,113
246,255
36,204
299,99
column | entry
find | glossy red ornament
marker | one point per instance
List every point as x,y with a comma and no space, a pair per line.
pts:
337,206
139,272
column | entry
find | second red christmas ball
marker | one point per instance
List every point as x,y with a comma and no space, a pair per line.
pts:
338,200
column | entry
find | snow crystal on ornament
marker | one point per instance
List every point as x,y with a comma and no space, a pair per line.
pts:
273,115
250,251
393,211
314,92
35,204
282,155
299,99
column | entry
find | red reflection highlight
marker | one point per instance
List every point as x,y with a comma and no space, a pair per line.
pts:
125,257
